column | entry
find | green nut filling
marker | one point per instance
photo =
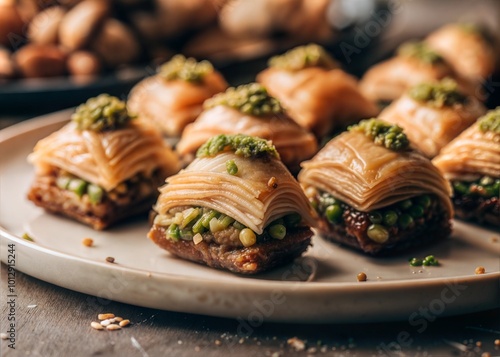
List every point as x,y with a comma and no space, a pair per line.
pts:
443,93
486,187
197,220
185,69
490,121
81,188
243,145
301,57
400,215
390,136
421,51
251,99
101,113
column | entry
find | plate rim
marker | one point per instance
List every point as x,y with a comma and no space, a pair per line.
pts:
492,279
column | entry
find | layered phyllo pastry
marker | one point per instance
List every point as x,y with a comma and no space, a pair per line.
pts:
466,49
101,167
316,93
375,193
235,207
414,63
434,113
174,97
249,110
471,163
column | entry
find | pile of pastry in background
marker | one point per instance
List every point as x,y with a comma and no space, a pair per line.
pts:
46,38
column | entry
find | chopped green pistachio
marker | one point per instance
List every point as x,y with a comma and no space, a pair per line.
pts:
198,226
231,167
415,262
378,233
27,237
225,221
421,51
62,182
405,220
174,232
390,136
416,211
101,113
375,217
439,94
238,225
189,215
301,57
207,217
186,69
247,237
243,145
390,218
277,231
77,186
95,193
251,99
430,260
424,201
334,213
490,121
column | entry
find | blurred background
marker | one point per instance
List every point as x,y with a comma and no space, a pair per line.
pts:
55,54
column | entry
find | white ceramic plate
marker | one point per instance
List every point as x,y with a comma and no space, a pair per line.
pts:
319,287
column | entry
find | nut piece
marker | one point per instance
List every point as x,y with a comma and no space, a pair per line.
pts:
81,22
11,25
41,61
110,259
96,325
124,323
105,316
116,43
44,28
84,63
480,270
361,276
88,242
113,327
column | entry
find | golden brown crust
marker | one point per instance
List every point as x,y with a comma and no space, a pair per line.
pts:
251,260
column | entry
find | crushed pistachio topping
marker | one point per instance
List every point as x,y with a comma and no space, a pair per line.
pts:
250,99
439,94
490,121
101,113
390,136
421,51
243,145
301,57
186,69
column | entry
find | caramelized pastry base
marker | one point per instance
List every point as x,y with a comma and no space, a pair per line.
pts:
45,193
434,225
251,260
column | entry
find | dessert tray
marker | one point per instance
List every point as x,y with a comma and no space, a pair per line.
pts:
319,287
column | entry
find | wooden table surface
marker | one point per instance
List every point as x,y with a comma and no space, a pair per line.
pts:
53,321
